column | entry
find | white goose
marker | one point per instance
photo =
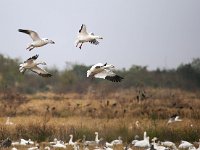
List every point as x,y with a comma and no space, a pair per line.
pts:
96,138
33,66
84,36
169,144
185,145
174,118
8,122
118,141
86,143
59,144
71,140
104,71
37,147
143,143
37,41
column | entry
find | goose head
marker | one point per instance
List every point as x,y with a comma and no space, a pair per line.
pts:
48,41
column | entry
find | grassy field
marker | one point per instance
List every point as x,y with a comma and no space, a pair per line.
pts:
45,116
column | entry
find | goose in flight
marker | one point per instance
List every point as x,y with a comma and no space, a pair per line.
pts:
37,41
84,36
32,65
104,71
174,118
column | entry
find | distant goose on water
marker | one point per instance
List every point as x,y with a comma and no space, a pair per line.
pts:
37,41
104,71
84,36
32,65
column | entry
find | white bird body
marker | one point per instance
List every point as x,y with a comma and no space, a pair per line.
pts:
37,41
32,65
143,143
159,147
134,141
169,144
59,144
25,142
96,137
33,148
54,141
103,71
85,143
174,118
71,140
15,143
84,36
117,142
8,122
14,148
47,148
185,145
107,148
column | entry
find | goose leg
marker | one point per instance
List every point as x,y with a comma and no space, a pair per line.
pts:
80,45
31,48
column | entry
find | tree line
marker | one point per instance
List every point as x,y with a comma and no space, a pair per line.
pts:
73,78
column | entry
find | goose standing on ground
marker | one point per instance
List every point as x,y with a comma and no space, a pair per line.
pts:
33,66
71,140
104,71
174,118
37,41
143,143
59,144
185,145
84,36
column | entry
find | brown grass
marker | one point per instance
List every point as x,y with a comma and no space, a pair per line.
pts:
44,116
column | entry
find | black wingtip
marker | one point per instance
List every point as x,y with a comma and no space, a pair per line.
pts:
81,28
46,75
105,64
24,31
174,115
115,78
21,30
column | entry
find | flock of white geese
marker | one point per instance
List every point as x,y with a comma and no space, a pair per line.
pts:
99,70
100,144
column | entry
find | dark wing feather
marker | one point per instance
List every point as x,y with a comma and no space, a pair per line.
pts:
95,42
25,31
41,72
115,78
174,116
31,33
32,58
45,75
81,28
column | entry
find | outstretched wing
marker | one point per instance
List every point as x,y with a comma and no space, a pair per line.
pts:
108,75
32,58
83,29
174,116
41,72
95,42
32,34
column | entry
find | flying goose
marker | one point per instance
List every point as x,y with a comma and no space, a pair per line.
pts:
32,65
37,41
104,71
84,36
174,118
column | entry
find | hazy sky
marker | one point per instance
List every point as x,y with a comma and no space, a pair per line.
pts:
156,33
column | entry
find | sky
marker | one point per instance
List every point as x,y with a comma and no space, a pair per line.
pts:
154,33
